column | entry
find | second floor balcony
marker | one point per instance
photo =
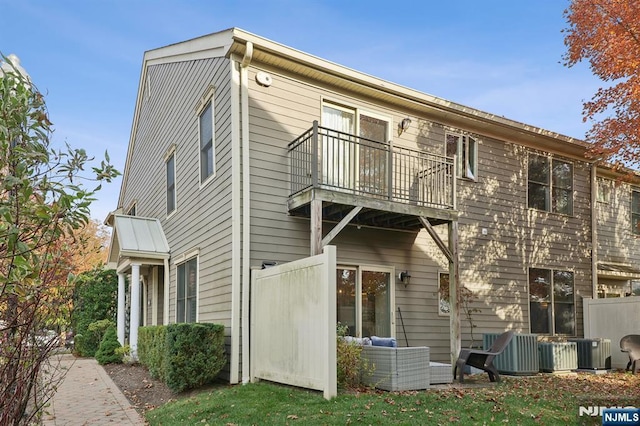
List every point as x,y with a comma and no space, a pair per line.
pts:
395,184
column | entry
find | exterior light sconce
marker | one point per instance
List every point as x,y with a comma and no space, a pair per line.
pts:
404,125
268,264
404,277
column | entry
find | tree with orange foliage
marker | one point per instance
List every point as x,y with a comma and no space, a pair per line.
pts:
607,34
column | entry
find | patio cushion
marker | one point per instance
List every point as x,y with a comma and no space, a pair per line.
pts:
389,342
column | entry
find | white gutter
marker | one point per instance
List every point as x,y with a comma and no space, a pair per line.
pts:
594,231
235,224
246,211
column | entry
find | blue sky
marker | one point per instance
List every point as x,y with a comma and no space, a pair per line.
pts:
500,56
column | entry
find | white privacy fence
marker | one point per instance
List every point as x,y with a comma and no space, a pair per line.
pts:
293,323
612,319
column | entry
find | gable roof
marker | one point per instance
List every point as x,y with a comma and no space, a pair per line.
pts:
137,237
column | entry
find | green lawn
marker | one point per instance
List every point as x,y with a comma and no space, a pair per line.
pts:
544,399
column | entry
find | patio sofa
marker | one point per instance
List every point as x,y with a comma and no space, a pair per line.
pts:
397,369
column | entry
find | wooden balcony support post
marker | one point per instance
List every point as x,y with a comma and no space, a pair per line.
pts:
451,252
454,292
316,226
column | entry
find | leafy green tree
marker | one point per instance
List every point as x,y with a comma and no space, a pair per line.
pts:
43,198
94,299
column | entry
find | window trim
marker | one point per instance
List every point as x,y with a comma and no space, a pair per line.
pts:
550,159
469,173
183,263
552,319
207,100
171,155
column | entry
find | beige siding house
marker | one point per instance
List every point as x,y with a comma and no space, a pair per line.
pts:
250,153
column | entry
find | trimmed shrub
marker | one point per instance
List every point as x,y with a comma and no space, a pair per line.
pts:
87,343
108,351
152,348
195,355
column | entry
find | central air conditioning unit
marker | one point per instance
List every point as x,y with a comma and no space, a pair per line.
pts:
593,353
520,357
558,356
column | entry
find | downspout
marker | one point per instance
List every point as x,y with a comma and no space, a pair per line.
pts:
594,231
235,224
246,209
165,308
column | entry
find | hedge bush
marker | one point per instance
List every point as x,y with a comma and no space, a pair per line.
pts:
151,350
108,353
195,355
184,356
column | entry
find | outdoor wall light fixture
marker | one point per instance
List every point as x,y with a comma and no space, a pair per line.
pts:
404,125
404,277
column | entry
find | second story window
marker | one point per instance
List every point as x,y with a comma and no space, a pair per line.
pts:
635,212
604,190
550,184
465,148
207,143
171,183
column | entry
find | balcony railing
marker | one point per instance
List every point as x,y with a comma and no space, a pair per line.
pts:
325,158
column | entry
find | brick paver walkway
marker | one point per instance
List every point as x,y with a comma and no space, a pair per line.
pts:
88,396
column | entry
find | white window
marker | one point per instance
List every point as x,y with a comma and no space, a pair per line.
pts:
635,212
171,183
550,184
187,292
207,142
365,301
444,303
551,302
604,190
465,148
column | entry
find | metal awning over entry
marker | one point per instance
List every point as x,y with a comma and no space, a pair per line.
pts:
140,238
136,243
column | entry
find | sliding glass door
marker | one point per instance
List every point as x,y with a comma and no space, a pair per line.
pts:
365,300
350,162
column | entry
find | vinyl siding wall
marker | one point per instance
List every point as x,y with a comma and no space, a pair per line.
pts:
616,241
494,266
202,220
